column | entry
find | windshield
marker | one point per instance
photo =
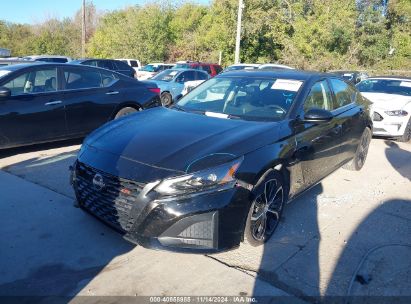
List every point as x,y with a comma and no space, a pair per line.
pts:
264,99
388,86
149,68
166,75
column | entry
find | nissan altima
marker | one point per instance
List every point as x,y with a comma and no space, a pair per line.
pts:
43,102
218,167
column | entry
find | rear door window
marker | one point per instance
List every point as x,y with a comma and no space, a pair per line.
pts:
206,68
134,63
76,79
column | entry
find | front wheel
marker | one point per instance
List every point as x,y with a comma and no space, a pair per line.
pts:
406,137
266,208
125,111
361,154
166,99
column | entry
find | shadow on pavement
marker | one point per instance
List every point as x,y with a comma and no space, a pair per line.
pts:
399,159
379,255
48,247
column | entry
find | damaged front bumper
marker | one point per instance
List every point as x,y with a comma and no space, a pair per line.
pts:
203,222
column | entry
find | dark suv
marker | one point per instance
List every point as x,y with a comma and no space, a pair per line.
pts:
211,68
109,64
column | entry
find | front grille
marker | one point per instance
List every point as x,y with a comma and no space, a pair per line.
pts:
377,117
108,197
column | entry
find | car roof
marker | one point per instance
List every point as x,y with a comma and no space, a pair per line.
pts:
391,78
185,69
16,67
287,74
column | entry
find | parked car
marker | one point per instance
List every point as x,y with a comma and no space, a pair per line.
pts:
241,66
211,68
150,70
134,63
219,166
351,76
171,82
47,102
109,64
274,66
48,58
391,109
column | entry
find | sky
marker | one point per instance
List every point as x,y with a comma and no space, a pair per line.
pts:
30,11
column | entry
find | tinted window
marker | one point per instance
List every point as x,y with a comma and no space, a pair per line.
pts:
122,66
206,68
218,69
59,60
186,76
134,63
106,64
81,79
202,76
244,98
319,97
108,79
388,86
343,92
90,62
34,82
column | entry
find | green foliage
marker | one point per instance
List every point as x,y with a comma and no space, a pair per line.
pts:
309,34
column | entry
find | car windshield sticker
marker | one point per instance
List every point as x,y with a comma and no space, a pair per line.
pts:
218,115
4,73
405,84
287,85
173,73
348,75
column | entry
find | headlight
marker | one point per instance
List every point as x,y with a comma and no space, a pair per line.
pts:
397,113
204,180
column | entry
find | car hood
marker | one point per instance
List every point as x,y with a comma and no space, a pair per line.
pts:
388,102
177,141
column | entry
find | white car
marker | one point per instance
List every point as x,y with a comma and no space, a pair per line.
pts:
391,105
150,70
241,66
274,66
134,63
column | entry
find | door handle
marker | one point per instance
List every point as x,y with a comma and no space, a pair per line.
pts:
53,103
112,93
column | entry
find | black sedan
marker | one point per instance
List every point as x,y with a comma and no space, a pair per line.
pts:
43,102
218,167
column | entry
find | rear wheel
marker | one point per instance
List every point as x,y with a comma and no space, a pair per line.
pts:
266,209
125,111
406,137
361,154
166,99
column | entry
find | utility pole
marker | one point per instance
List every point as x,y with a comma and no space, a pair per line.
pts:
83,30
238,39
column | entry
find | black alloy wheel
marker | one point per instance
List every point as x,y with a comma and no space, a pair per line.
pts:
266,209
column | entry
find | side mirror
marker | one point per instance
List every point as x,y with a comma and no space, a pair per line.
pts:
318,115
4,92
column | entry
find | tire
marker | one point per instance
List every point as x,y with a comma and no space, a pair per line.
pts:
361,154
406,137
166,99
263,216
125,111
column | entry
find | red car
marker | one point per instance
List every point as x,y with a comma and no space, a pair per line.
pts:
211,68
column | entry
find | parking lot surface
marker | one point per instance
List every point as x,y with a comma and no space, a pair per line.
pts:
348,235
